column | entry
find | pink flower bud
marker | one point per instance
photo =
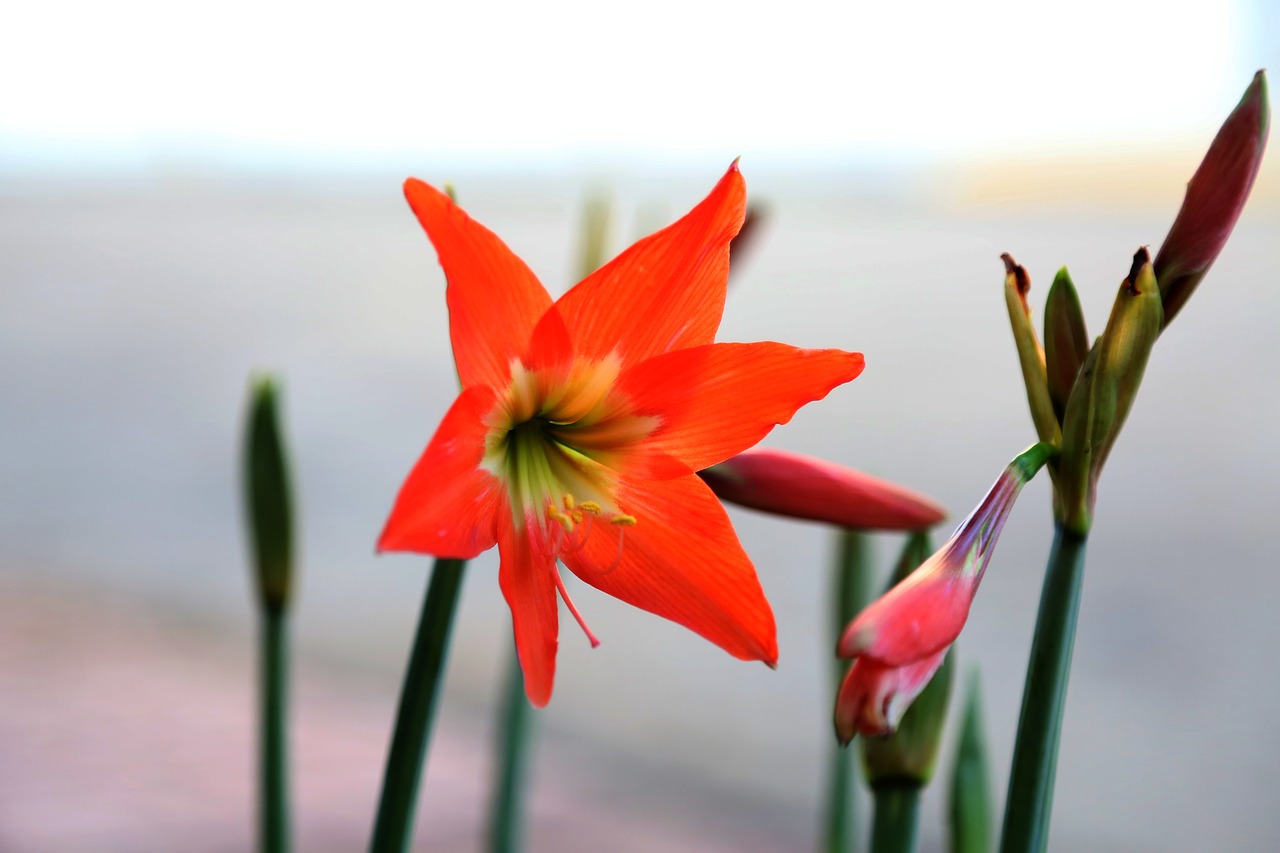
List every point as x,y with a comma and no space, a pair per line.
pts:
899,641
1215,197
805,487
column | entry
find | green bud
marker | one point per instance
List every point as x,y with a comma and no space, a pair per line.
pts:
1065,340
1105,391
911,753
1017,284
1136,319
971,779
267,500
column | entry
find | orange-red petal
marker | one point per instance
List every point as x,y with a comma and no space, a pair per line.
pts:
494,299
527,582
447,505
717,400
665,292
682,561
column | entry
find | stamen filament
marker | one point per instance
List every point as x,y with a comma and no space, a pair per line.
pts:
583,532
617,558
573,609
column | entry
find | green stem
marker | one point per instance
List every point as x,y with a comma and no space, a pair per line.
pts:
519,729
274,815
1035,751
393,828
896,825
852,582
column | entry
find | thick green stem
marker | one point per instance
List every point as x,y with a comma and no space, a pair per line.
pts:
896,826
1035,751
852,584
517,734
274,806
393,828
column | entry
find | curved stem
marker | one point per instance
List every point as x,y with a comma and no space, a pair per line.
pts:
1035,751
418,698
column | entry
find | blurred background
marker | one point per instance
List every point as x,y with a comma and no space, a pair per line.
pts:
189,194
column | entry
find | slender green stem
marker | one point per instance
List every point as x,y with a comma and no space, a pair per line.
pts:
274,807
852,583
1035,751
516,737
896,825
393,828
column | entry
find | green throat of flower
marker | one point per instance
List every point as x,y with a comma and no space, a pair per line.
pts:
559,442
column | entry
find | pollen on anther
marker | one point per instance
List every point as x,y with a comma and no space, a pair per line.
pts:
628,520
591,507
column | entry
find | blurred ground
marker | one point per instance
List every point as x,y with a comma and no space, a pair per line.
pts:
134,732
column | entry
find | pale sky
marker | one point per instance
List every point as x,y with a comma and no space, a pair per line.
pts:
503,81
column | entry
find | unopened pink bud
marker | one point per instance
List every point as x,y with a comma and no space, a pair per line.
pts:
924,613
1215,197
900,640
799,486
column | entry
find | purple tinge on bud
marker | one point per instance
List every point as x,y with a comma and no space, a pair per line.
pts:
804,487
1215,197
924,613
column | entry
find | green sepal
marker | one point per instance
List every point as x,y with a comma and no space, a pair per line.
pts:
1065,341
267,496
1017,284
1136,320
1104,392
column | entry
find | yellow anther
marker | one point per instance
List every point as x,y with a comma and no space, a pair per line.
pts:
591,507
554,513
568,503
628,520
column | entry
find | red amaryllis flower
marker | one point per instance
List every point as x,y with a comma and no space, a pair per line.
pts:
899,641
814,489
581,423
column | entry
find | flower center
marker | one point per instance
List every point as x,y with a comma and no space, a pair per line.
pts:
560,439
